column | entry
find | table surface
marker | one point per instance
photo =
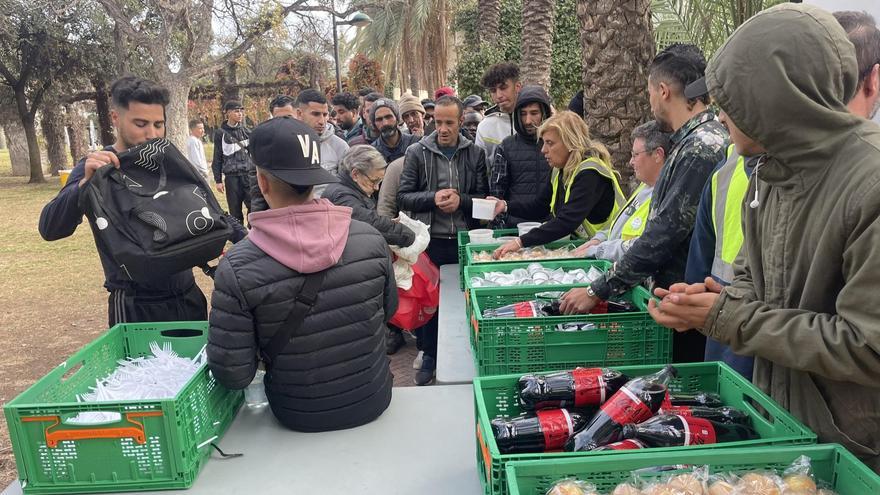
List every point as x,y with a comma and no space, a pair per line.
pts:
423,444
455,361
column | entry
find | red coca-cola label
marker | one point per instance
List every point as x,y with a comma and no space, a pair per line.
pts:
630,444
557,428
667,401
698,431
525,309
679,410
589,387
600,309
624,408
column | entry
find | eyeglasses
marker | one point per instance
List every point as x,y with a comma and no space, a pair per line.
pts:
637,153
373,181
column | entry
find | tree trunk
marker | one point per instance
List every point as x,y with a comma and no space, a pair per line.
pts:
176,113
489,21
228,79
77,133
30,131
52,123
2,139
617,47
539,19
102,107
18,150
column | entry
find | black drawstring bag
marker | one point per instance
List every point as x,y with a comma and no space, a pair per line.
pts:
155,213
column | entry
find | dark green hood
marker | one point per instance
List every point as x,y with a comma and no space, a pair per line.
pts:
784,77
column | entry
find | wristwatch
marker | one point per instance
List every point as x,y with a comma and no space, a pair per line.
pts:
591,292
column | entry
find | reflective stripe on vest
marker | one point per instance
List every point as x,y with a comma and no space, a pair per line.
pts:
635,223
586,229
729,186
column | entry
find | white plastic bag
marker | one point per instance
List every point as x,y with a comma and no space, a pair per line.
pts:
406,256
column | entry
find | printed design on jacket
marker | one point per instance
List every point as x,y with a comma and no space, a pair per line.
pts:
151,155
233,146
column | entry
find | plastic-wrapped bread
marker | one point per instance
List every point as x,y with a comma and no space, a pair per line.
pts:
626,489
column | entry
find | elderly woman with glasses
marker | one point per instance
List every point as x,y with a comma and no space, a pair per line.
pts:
360,174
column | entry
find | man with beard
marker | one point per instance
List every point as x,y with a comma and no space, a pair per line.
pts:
385,118
346,107
412,112
520,168
863,34
699,142
367,133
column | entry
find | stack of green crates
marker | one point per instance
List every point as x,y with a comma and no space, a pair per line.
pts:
155,445
831,464
521,345
496,396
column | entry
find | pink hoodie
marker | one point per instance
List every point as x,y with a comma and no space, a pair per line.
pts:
307,238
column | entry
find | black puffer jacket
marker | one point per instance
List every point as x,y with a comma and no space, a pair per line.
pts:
419,179
334,373
520,169
363,208
230,151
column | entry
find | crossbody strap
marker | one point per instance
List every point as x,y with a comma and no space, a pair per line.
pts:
303,304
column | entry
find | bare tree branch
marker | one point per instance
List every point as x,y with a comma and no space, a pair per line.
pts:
124,22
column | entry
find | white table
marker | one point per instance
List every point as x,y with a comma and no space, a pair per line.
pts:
455,361
423,444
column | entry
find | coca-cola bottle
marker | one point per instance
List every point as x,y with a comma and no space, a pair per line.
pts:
673,430
725,414
629,444
635,402
705,399
524,309
543,431
581,387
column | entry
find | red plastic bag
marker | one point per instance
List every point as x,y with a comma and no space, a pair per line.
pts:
418,305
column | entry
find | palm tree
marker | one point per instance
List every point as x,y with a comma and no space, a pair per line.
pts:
616,49
539,20
705,23
489,22
410,39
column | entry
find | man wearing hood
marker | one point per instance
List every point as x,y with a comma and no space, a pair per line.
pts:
804,297
503,84
231,161
441,175
332,372
392,143
699,142
520,169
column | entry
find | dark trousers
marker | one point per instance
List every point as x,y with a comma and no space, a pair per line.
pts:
441,252
238,193
688,347
130,306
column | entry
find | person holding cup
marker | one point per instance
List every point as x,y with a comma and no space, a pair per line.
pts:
584,194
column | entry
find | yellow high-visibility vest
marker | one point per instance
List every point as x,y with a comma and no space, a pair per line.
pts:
586,229
729,186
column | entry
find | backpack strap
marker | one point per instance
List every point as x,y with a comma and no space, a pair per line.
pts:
303,304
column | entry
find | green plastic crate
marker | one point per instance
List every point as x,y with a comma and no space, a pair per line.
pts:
464,238
496,396
471,271
158,444
522,345
831,463
470,249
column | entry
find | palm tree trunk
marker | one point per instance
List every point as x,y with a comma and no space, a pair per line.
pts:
616,48
539,19
489,21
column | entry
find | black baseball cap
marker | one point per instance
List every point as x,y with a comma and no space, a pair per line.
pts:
232,105
474,101
696,89
428,103
289,150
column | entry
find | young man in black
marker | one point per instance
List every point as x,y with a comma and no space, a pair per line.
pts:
231,161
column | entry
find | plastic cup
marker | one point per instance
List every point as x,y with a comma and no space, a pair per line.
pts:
480,236
255,393
525,227
483,209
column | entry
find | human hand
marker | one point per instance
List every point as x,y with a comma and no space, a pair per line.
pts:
685,306
441,196
451,204
581,251
500,205
577,301
507,247
96,160
220,188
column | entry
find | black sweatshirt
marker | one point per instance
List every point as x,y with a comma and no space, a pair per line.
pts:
592,197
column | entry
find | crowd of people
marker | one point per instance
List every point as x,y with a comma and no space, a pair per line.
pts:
755,218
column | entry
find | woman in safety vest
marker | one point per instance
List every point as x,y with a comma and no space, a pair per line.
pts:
584,194
649,149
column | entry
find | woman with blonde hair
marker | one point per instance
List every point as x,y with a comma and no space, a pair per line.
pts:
584,193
